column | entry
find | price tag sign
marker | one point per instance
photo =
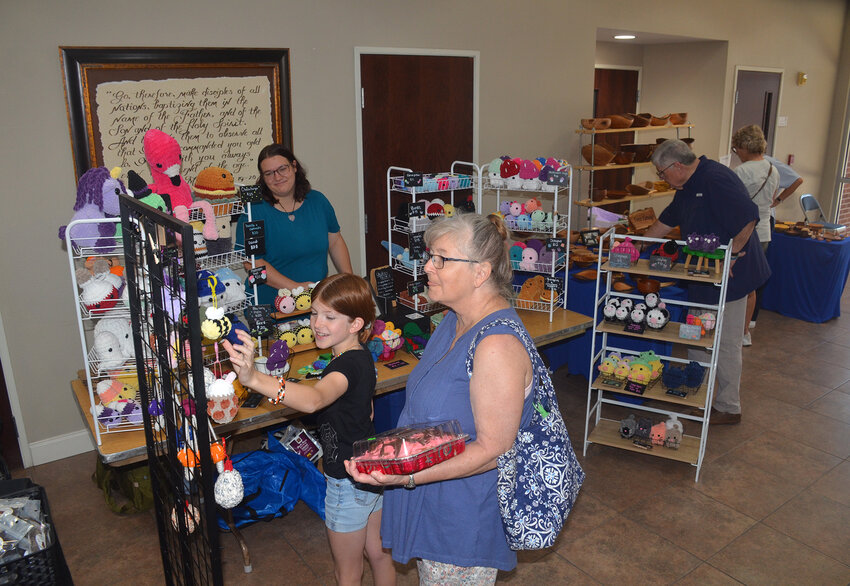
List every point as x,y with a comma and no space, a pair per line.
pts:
589,237
634,387
620,260
250,194
257,276
255,237
417,245
612,382
413,179
634,328
259,318
690,331
416,209
559,178
416,287
384,283
553,283
556,244
660,263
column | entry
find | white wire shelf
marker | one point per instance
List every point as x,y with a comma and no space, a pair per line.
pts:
419,224
537,304
429,307
540,227
432,183
220,209
227,259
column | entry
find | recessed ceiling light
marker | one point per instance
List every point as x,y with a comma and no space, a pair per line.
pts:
624,37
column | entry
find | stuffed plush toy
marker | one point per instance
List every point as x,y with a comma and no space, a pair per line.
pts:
216,325
435,209
214,183
163,155
107,352
304,334
209,377
198,241
123,332
278,356
99,290
515,254
529,259
628,426
529,173
140,190
673,433
235,324
234,290
284,302
224,243
287,334
222,404
657,433
210,289
494,174
97,198
609,364
392,340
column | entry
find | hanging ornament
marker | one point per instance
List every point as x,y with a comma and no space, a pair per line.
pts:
228,489
190,514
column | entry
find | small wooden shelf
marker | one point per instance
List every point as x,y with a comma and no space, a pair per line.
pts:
607,433
633,129
589,203
677,272
670,334
658,393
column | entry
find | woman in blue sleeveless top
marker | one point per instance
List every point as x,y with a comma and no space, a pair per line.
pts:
447,516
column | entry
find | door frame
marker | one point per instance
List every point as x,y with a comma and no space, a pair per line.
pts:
775,120
638,68
14,403
476,94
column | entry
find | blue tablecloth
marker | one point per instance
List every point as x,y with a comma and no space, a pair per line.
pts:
575,352
808,277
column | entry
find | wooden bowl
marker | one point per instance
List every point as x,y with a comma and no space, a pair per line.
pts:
596,123
659,120
617,194
636,189
598,193
620,121
586,275
645,285
624,157
643,152
641,120
689,141
596,154
679,118
659,140
621,286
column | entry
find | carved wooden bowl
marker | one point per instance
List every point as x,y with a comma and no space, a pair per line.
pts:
598,193
642,151
596,123
659,120
641,120
586,275
624,157
679,118
596,154
645,285
620,121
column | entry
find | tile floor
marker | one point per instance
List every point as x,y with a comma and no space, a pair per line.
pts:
772,505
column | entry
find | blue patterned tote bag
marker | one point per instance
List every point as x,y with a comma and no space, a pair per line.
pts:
539,477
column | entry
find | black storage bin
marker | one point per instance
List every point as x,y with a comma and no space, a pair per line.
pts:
45,567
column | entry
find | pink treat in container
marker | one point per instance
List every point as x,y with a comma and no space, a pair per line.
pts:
409,449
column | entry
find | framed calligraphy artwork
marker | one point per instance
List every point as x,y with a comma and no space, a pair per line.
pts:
222,105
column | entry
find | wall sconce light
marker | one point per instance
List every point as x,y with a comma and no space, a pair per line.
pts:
802,78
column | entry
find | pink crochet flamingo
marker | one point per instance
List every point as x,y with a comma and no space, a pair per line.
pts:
164,158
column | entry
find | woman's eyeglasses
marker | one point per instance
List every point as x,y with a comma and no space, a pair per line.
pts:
439,260
281,171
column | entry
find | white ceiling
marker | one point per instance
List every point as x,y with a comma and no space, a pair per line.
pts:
606,35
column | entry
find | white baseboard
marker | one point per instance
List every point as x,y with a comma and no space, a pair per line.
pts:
61,446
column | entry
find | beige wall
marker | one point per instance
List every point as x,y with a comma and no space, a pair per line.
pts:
536,82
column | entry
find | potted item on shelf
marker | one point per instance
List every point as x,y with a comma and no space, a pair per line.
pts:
624,157
659,120
642,151
596,154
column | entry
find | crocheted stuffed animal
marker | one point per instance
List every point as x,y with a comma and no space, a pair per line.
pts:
164,158
97,197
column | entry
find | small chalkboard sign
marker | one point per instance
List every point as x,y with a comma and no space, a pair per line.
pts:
559,178
417,245
257,276
634,387
620,260
553,283
384,283
635,328
259,318
690,331
255,237
556,244
660,263
612,382
413,179
250,194
416,209
417,286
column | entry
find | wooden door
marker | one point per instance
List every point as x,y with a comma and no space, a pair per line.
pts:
417,112
756,101
9,447
614,92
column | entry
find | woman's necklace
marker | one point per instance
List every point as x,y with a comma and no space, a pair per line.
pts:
335,355
283,209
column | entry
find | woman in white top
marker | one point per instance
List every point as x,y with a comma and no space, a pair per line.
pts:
761,179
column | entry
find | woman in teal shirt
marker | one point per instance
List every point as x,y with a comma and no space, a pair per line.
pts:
300,224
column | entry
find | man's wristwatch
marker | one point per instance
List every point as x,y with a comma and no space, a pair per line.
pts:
411,483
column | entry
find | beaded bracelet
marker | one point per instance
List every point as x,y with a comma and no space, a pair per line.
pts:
281,392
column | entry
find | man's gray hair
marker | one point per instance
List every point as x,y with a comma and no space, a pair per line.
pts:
672,151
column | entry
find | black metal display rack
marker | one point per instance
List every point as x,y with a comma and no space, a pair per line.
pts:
162,282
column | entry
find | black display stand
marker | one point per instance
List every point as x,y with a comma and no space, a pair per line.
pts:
162,285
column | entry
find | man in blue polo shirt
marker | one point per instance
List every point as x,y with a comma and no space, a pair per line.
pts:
711,199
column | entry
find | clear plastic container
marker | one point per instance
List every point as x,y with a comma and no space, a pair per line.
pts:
409,449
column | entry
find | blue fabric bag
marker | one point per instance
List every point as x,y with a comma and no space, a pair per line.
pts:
539,477
274,480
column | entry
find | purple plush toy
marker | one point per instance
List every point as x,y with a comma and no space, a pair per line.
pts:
97,197
710,242
278,355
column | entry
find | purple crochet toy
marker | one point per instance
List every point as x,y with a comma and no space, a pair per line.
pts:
278,355
97,197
